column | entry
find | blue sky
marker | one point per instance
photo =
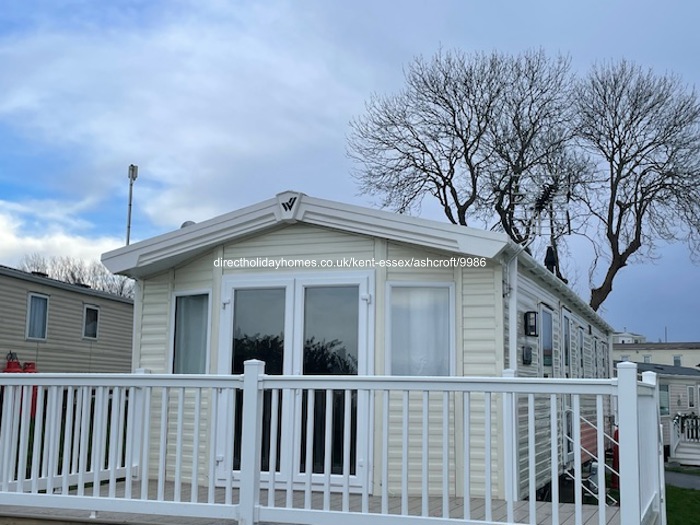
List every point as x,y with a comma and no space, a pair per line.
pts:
226,103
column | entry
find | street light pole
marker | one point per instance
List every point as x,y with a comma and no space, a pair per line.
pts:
133,174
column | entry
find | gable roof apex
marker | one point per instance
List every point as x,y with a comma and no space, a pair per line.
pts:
164,251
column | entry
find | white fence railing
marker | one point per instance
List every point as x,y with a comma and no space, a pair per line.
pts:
315,449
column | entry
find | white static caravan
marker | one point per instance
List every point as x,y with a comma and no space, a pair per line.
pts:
312,286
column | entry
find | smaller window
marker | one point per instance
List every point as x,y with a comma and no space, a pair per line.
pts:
91,316
546,338
663,400
647,358
581,338
676,360
37,316
625,357
691,397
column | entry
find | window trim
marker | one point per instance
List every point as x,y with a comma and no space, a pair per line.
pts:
97,327
31,295
170,367
667,411
451,324
691,396
543,367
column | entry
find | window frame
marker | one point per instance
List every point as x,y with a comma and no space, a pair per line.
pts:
691,396
30,296
173,308
451,324
544,308
664,388
95,307
677,360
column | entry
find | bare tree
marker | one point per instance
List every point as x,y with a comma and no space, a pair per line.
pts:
78,271
643,132
485,135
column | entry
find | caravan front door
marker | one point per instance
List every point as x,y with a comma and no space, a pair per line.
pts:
317,325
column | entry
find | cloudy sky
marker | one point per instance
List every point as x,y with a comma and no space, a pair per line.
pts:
225,103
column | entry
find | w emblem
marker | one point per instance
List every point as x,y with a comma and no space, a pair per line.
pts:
287,206
289,203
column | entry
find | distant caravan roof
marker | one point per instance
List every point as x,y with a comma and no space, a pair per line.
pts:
164,251
657,346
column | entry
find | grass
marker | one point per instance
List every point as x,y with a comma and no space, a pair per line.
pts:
682,505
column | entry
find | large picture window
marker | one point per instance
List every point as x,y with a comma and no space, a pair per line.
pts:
191,333
420,330
37,316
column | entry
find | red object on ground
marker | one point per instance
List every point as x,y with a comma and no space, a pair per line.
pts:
615,478
12,365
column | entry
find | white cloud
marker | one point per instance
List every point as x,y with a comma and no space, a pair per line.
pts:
16,244
191,96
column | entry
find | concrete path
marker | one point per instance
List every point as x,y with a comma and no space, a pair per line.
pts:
686,481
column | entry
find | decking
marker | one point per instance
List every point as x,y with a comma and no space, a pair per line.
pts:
567,511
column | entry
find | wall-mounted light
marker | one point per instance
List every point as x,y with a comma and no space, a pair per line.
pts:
531,324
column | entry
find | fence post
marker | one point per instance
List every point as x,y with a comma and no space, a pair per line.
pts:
251,441
510,433
651,378
628,418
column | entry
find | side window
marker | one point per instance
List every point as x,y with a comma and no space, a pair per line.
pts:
581,350
546,338
676,360
420,329
37,316
663,400
566,344
691,397
91,318
191,334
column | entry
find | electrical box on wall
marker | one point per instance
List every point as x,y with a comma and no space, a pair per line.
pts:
531,324
527,355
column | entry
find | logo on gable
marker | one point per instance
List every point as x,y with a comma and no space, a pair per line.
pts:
287,206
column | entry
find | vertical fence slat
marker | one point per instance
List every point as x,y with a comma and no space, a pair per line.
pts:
531,453
404,455
145,440
121,419
163,441
194,489
16,429
385,451
554,455
214,394
38,436
578,482
26,428
308,464
98,439
369,396
328,443
446,455
272,454
67,439
346,450
229,437
77,421
86,402
600,482
466,433
424,455
6,432
488,504
131,429
177,495
114,439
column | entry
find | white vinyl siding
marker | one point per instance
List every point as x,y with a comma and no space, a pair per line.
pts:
37,316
